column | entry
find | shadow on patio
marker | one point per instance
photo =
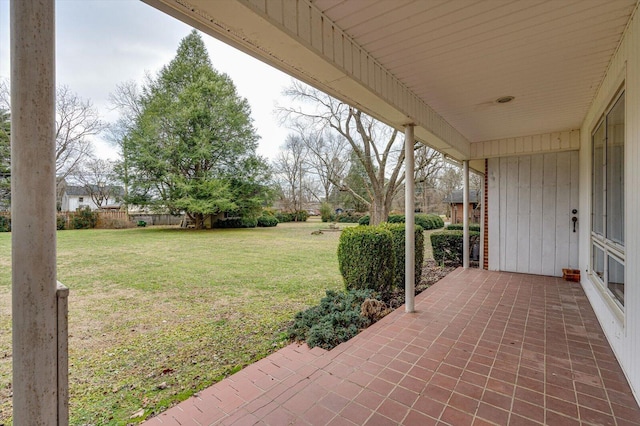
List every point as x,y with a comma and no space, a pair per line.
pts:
483,348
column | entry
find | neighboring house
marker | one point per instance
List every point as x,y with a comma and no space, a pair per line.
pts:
76,197
456,204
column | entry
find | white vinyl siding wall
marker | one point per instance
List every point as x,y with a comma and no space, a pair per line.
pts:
621,327
530,202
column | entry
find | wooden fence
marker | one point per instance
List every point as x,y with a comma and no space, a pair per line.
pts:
117,219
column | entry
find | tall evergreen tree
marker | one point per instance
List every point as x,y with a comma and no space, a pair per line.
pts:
193,145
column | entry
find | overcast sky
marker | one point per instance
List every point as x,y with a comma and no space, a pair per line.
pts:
100,43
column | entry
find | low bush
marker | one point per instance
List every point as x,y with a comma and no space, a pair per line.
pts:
458,227
335,320
426,221
236,222
398,237
429,221
5,224
267,221
249,222
365,258
111,223
84,219
395,218
297,216
348,217
326,212
448,245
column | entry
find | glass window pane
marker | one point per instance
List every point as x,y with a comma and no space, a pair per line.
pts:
615,172
615,279
597,184
597,262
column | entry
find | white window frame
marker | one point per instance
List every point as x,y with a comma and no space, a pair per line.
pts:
610,248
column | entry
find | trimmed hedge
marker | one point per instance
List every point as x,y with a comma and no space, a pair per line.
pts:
429,221
365,258
398,238
426,221
267,221
447,245
458,227
395,218
335,320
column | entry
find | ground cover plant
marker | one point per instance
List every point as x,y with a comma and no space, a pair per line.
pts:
157,314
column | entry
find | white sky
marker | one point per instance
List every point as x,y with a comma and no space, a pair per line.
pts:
100,43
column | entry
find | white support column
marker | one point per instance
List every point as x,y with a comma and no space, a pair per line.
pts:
33,208
465,215
410,224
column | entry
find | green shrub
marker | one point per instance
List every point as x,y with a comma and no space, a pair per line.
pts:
348,217
458,227
447,245
365,258
267,221
364,220
326,212
335,320
297,216
61,222
84,219
395,218
5,224
249,222
235,222
398,235
231,222
426,221
429,221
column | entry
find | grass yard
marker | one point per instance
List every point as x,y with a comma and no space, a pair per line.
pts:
157,314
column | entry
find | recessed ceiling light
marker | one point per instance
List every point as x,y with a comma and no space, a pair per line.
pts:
504,99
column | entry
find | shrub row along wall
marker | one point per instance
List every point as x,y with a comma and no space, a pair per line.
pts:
373,257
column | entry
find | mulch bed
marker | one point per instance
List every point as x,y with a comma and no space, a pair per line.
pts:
431,274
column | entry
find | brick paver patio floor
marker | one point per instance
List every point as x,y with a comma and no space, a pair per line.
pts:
483,348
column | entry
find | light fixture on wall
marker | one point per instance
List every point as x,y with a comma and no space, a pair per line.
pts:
504,99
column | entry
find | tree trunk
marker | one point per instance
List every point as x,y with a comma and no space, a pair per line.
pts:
199,220
379,212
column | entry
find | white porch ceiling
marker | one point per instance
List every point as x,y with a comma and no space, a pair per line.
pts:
459,56
440,64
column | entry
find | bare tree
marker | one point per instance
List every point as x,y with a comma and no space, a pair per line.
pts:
291,171
377,147
127,100
328,159
76,121
99,179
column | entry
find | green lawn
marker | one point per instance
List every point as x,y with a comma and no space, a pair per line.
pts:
151,307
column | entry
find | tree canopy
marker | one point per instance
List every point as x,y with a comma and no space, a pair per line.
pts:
376,168
192,144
